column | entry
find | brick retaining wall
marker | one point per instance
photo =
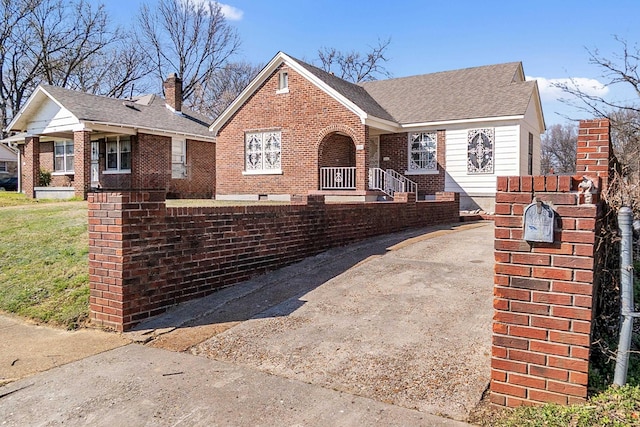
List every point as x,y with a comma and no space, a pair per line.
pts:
145,257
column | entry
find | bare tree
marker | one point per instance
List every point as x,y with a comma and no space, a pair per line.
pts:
620,69
356,66
64,43
559,144
188,37
224,85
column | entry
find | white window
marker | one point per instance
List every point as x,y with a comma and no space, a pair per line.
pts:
423,148
63,157
283,82
178,158
118,154
262,152
3,166
480,151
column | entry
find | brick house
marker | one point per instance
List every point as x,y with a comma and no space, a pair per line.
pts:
8,161
298,130
88,141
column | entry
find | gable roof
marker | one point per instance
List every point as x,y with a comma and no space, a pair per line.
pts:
470,93
356,93
487,92
145,113
8,154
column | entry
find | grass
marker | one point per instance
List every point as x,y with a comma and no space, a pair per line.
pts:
615,407
44,256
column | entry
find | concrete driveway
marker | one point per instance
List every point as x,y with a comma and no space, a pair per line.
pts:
385,332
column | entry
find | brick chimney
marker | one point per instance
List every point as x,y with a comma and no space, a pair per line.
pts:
173,92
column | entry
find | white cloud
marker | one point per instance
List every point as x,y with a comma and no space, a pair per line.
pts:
230,12
550,90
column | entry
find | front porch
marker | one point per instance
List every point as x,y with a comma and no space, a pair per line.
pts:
340,184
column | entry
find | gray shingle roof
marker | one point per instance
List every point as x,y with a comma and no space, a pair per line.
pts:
488,91
153,115
353,92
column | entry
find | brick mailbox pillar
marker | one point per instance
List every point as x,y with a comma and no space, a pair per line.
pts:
543,292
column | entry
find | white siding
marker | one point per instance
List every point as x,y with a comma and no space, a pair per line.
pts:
50,118
532,125
506,159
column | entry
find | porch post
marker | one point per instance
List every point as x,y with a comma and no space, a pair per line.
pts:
362,161
81,162
31,157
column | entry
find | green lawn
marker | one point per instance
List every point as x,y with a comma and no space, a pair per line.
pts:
44,258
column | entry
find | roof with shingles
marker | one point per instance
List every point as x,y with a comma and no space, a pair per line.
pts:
151,113
353,92
470,93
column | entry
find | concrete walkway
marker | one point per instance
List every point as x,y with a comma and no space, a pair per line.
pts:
361,335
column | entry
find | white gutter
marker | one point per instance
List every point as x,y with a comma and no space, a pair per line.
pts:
460,121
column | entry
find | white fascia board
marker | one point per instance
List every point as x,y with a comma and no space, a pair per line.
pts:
460,121
130,130
382,124
538,101
266,72
39,92
245,94
325,87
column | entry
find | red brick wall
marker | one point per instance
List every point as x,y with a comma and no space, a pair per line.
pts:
595,153
544,292
145,257
81,163
337,150
305,115
30,156
201,179
150,167
394,146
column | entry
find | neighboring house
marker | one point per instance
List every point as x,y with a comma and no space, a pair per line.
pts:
87,141
8,161
297,130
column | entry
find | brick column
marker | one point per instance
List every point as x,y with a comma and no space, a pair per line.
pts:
117,300
594,149
543,292
31,167
542,295
81,163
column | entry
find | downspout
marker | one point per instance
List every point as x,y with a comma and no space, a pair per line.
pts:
625,219
19,169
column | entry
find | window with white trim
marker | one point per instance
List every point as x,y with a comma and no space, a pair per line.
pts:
178,158
3,166
118,154
262,151
63,157
423,150
480,151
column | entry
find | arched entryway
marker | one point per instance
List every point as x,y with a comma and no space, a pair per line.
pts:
337,162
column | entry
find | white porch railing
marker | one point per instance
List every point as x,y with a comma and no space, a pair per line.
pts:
409,186
338,178
344,178
390,182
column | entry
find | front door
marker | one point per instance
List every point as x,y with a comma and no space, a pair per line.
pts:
95,169
374,152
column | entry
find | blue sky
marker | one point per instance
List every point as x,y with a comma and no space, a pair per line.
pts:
549,37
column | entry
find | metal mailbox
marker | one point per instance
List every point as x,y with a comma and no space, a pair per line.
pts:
539,222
